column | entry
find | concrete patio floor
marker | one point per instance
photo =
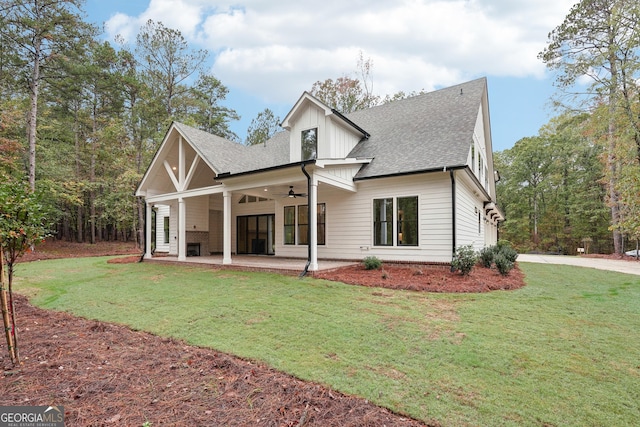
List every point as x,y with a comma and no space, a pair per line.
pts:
254,263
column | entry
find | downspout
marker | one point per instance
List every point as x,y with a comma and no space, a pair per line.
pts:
144,234
453,214
306,267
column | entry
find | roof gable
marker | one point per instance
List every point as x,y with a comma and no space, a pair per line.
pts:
433,131
426,132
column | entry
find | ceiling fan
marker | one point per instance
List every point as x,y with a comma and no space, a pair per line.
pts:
292,194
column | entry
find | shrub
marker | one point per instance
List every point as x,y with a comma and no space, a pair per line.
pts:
503,264
372,263
509,253
464,259
486,256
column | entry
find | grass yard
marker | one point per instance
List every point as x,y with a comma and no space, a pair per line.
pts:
564,350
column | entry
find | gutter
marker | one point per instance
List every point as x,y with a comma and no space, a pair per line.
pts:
224,175
365,134
144,234
306,267
453,214
391,175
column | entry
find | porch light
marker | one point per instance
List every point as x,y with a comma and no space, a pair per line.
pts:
291,193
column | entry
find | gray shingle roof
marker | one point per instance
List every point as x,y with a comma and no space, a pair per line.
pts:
425,132
421,133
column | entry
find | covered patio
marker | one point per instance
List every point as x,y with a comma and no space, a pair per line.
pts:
289,266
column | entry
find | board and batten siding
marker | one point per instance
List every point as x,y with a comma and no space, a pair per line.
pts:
349,220
309,118
340,141
335,140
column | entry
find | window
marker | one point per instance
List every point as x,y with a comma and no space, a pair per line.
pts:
251,199
166,229
405,212
289,225
407,221
473,155
309,144
322,210
383,222
303,224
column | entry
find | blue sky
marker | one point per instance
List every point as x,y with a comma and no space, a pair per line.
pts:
268,53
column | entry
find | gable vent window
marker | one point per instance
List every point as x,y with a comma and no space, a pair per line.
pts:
310,144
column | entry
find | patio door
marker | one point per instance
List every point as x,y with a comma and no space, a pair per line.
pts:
256,234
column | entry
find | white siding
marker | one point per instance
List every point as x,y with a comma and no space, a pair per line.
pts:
309,117
335,140
162,211
469,208
341,141
173,230
216,231
481,150
349,221
197,213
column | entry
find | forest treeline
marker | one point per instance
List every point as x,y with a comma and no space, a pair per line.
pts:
81,118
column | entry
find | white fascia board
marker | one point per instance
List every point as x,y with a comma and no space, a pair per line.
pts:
153,164
304,98
185,194
335,181
321,163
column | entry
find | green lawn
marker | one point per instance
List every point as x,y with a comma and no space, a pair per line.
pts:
564,350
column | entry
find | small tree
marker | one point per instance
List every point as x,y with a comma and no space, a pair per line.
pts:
24,222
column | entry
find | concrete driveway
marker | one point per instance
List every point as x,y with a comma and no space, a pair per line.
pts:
622,266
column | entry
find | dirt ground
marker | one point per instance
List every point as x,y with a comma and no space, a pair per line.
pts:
109,375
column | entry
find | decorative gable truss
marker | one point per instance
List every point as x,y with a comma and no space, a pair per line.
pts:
180,176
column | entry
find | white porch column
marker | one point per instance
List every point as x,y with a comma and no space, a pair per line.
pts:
182,230
147,232
226,233
313,225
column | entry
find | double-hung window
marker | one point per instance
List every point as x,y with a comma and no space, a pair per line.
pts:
289,225
395,221
383,222
300,222
303,225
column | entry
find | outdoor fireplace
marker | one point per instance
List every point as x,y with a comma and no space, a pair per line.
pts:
193,249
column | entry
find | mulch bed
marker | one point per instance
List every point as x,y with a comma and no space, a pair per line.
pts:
109,375
426,278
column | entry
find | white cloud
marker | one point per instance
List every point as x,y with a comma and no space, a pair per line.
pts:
277,49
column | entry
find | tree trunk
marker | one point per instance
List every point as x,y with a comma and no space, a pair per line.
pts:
34,85
6,320
611,157
78,172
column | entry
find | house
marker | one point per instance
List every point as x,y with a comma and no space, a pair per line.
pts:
406,181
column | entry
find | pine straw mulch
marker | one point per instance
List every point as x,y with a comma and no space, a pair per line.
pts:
426,278
109,375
